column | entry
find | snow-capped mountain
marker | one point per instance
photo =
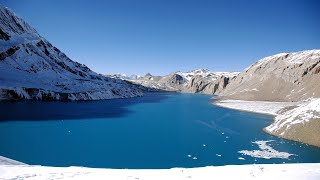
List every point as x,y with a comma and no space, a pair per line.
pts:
204,73
281,77
32,68
124,76
197,81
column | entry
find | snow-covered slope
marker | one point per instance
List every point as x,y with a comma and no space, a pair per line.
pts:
32,68
255,171
197,81
300,123
281,77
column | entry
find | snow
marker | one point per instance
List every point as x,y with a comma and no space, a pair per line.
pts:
310,171
248,90
291,58
206,73
300,115
7,161
264,107
300,57
266,151
36,69
125,76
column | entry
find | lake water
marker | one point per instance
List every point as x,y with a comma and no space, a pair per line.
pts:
158,130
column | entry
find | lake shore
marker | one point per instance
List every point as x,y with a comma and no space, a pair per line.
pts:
261,107
297,121
253,171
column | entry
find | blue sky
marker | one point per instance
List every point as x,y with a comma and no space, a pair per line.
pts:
162,36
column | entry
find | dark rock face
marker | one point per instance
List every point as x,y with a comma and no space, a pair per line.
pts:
9,52
4,36
176,79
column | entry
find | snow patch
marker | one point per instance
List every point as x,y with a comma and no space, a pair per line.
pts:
266,151
264,107
300,115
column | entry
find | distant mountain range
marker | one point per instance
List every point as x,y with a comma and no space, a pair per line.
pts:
125,77
196,81
32,68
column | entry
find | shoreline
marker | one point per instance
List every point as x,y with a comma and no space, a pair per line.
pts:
250,171
286,117
11,169
260,107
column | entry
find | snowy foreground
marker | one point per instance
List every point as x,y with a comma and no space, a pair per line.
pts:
261,171
11,169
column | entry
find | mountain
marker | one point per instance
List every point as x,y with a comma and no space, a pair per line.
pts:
197,81
32,68
281,77
284,77
124,76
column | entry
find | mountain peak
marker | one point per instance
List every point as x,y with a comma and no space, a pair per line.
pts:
13,25
32,68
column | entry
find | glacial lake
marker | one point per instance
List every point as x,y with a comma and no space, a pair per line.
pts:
159,130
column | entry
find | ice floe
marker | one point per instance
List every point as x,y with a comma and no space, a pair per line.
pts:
266,151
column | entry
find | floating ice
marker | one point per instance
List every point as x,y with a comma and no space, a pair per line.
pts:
266,152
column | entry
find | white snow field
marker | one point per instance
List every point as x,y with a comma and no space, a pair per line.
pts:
255,171
263,107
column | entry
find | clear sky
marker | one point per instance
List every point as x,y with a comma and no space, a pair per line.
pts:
162,36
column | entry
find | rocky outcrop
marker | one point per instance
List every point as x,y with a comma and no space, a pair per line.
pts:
202,85
281,77
8,52
32,68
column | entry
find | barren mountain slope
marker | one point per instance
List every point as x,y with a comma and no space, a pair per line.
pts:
281,77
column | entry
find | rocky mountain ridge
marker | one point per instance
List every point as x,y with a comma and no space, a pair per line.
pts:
197,81
281,77
32,68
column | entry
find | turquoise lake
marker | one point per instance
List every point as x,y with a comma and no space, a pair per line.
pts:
158,130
